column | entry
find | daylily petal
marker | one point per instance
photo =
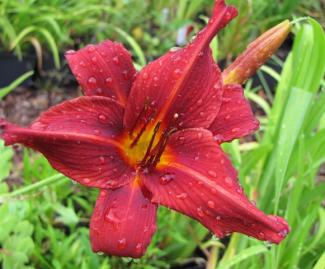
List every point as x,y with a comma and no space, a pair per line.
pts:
123,222
235,118
199,181
77,139
105,69
183,88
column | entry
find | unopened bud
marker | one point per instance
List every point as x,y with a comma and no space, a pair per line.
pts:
256,54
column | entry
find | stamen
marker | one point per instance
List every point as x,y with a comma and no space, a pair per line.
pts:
155,131
142,112
156,153
135,141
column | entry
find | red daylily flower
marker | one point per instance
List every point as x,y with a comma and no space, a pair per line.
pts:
152,139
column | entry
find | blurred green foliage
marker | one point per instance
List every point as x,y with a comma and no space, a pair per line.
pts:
55,26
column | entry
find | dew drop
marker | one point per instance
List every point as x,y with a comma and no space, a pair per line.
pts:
240,190
177,71
125,74
86,180
102,118
200,211
108,80
99,91
218,218
116,60
70,52
102,159
94,59
166,178
91,48
211,204
121,244
261,235
181,138
199,135
235,130
138,248
92,81
283,233
176,115
174,49
181,196
212,173
82,64
228,180
218,138
199,102
228,16
145,75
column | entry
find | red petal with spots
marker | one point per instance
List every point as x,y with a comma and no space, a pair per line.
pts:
123,222
235,118
105,69
77,139
184,87
200,182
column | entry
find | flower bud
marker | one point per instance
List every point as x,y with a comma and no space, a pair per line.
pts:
256,54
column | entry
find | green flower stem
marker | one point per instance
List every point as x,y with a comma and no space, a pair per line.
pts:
33,187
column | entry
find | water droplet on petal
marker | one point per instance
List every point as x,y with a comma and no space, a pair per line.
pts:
121,244
70,52
228,180
91,48
94,59
174,49
176,115
166,178
116,60
102,159
218,218
86,180
199,135
261,235
108,80
218,138
212,173
92,81
199,102
211,204
200,212
181,138
240,190
138,248
177,71
82,64
181,196
125,74
102,118
145,75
